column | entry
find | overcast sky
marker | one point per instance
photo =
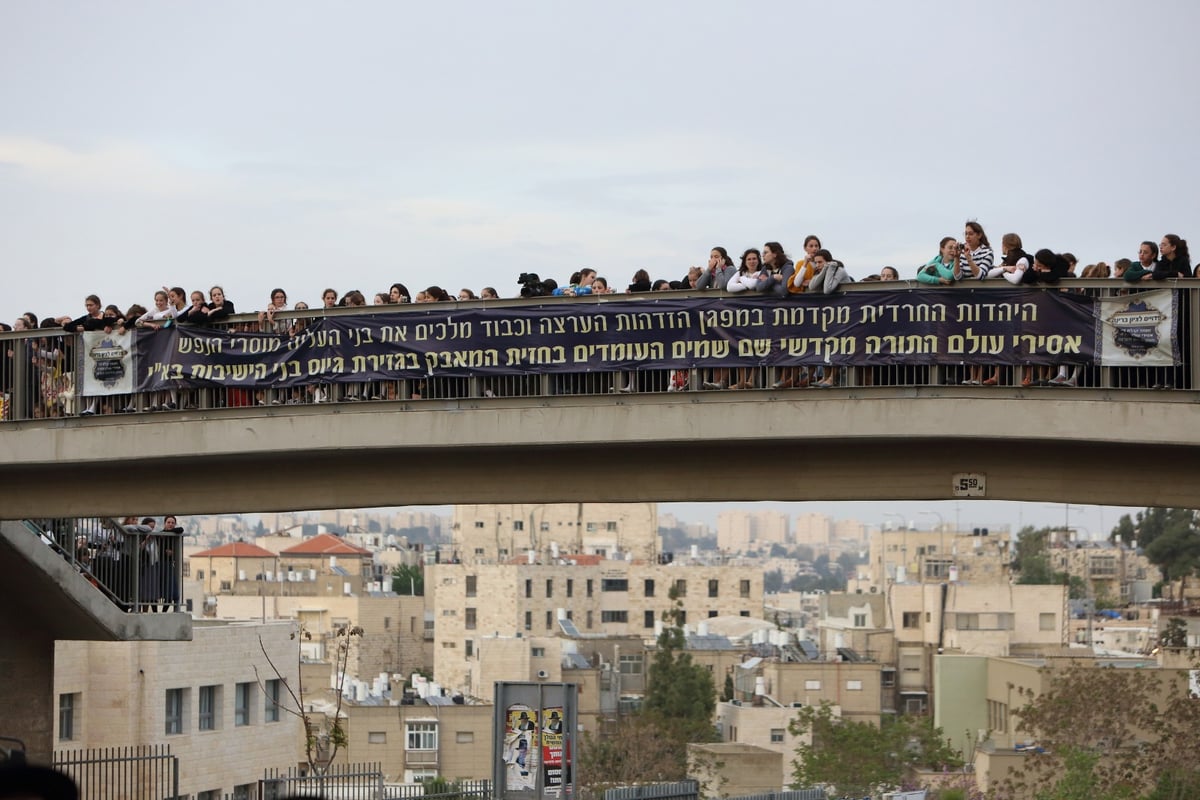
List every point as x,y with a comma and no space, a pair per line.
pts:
356,144
353,145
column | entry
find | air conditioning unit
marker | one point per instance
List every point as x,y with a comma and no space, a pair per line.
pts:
542,674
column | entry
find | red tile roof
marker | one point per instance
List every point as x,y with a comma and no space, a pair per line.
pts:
325,545
235,550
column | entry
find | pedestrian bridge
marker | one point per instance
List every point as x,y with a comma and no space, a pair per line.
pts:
908,430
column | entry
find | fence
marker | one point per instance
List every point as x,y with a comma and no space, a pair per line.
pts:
138,569
39,376
121,773
680,790
339,782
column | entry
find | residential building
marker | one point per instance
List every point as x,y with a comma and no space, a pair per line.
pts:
614,598
216,700
490,534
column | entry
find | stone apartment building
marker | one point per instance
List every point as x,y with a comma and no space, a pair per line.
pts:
997,619
1112,573
904,556
215,700
600,597
428,739
491,533
323,565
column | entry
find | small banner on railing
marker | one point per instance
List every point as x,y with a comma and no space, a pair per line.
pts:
1138,329
907,327
106,362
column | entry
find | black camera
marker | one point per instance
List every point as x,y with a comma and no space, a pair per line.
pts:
531,285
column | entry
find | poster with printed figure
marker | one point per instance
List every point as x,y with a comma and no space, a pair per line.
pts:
556,759
521,746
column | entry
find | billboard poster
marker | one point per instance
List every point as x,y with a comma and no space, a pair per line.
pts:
535,727
556,759
521,748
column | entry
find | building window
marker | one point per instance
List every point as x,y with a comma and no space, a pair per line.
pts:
421,736
589,619
464,737
245,791
549,620
537,652
648,619
209,794
860,620
611,527
631,664
712,612
529,587
468,647
209,703
543,526
812,686
853,686
570,587
681,588
589,587
469,619
376,737
243,701
714,586
549,587
1047,622
66,716
614,585
743,613
648,587
912,619
472,585
910,663
776,735
479,551
887,678
744,588
682,617
478,523
518,525
174,712
528,620
271,700
591,527
614,616
967,622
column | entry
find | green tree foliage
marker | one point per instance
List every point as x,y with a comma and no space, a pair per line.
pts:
678,689
1031,560
727,691
1169,536
408,579
859,759
772,581
1175,633
1140,742
651,745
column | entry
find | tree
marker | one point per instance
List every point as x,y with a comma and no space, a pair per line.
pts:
1169,536
727,691
772,581
651,744
1175,634
858,758
322,740
408,579
1140,742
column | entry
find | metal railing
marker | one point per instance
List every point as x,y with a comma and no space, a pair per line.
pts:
136,772
39,381
138,569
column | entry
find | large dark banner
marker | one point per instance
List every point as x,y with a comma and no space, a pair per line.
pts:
1015,326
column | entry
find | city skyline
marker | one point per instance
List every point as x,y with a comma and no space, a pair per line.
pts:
1094,521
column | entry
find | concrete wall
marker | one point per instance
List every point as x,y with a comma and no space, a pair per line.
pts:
729,769
960,699
906,444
